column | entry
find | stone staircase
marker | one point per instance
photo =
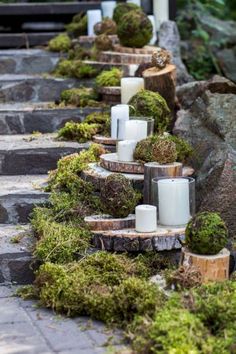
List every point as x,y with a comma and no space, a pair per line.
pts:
25,158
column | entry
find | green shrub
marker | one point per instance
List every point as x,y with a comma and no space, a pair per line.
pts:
60,43
109,78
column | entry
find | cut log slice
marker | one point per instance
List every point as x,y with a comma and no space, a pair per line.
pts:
104,140
110,95
107,222
145,50
88,41
212,268
111,163
128,240
124,58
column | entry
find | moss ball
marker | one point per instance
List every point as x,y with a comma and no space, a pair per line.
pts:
122,9
103,42
106,26
164,151
60,43
109,78
118,196
135,29
150,104
143,151
206,233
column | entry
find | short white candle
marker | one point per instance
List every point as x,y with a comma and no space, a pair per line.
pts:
108,8
161,12
136,2
154,31
145,218
125,151
132,69
129,87
94,16
135,130
173,201
118,112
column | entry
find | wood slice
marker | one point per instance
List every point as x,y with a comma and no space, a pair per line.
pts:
145,50
128,240
104,140
88,41
163,82
212,268
110,95
124,58
111,163
107,222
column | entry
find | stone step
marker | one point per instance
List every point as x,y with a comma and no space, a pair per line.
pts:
26,118
16,260
27,61
35,88
18,196
25,40
33,154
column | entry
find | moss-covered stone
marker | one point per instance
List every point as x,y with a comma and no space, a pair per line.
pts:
61,43
122,9
106,26
109,78
206,233
80,97
103,42
118,196
164,151
135,29
78,26
150,104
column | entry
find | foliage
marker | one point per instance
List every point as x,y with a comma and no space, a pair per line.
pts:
206,233
138,27
106,26
103,42
109,78
75,68
79,53
60,43
80,97
78,26
118,196
122,9
150,104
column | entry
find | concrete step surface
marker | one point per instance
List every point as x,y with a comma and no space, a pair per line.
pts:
25,40
19,195
33,154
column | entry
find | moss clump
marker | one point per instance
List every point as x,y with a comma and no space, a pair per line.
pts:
164,151
135,29
122,9
184,149
106,26
118,196
143,150
60,43
150,104
78,26
103,119
80,97
79,53
80,132
109,78
103,42
206,233
75,68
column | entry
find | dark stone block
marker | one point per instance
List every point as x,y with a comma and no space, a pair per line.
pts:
22,270
7,65
3,215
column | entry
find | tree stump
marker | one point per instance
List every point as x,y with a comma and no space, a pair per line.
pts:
110,95
212,268
162,81
107,222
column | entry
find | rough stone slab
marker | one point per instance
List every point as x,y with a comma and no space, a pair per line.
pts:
22,40
26,118
30,61
19,195
23,88
33,154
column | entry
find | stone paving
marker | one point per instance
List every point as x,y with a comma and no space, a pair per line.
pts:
27,329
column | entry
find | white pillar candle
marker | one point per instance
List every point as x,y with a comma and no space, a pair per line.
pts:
136,2
108,8
125,151
94,16
130,86
118,112
173,201
145,218
132,69
135,130
154,31
161,11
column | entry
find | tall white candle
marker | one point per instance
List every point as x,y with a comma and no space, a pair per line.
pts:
161,11
154,31
132,69
94,16
136,2
173,201
130,86
108,8
125,151
145,218
135,130
118,112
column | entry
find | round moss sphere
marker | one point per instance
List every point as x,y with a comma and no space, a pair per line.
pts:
150,104
118,196
106,26
103,42
135,29
206,234
164,151
143,151
122,9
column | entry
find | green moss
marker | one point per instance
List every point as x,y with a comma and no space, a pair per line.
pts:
101,118
164,151
135,29
106,26
75,68
183,148
79,53
60,43
143,150
122,9
78,26
80,97
80,132
150,104
109,78
103,42
118,196
206,233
